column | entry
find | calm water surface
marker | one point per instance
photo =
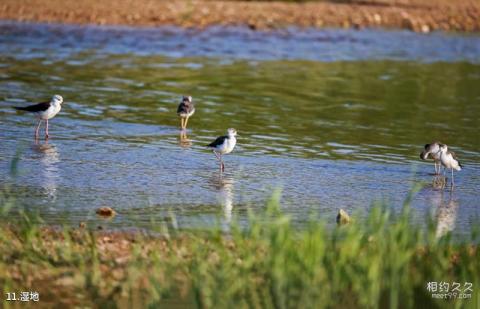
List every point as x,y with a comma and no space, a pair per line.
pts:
334,118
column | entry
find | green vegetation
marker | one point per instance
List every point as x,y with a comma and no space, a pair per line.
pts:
382,261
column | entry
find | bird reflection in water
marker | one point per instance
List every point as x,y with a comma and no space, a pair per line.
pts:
439,182
49,158
184,142
225,188
446,215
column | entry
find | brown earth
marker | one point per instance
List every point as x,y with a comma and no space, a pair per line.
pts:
416,15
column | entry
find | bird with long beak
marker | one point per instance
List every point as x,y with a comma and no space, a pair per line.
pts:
433,151
449,160
44,111
223,145
185,110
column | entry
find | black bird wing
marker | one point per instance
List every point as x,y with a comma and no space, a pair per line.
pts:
184,108
220,140
40,107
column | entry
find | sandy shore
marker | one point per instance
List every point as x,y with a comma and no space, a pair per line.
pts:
416,15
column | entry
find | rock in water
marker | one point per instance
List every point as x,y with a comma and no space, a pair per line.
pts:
342,217
105,212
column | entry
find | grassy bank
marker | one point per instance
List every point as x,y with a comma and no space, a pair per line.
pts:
382,261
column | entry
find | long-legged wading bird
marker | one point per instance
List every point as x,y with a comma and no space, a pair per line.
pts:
433,151
449,160
223,145
44,111
185,110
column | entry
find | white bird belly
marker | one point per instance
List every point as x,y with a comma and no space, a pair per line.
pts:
49,113
227,146
449,162
185,115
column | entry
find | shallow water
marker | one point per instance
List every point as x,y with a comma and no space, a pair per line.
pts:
334,118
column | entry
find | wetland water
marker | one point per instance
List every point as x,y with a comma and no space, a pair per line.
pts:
335,118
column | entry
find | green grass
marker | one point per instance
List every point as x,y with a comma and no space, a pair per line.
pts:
380,262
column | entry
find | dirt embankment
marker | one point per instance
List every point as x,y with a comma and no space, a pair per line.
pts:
416,15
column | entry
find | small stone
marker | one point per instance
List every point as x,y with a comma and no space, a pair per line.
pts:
342,217
105,212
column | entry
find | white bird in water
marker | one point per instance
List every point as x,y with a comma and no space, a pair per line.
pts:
223,145
44,111
449,160
185,110
433,151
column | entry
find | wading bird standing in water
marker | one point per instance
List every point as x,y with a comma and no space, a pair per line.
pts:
185,110
449,160
433,151
44,111
223,145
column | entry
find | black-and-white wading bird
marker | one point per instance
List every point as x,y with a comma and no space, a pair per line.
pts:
433,151
223,145
449,160
185,110
44,111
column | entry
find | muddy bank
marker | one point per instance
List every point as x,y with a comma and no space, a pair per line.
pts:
416,15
